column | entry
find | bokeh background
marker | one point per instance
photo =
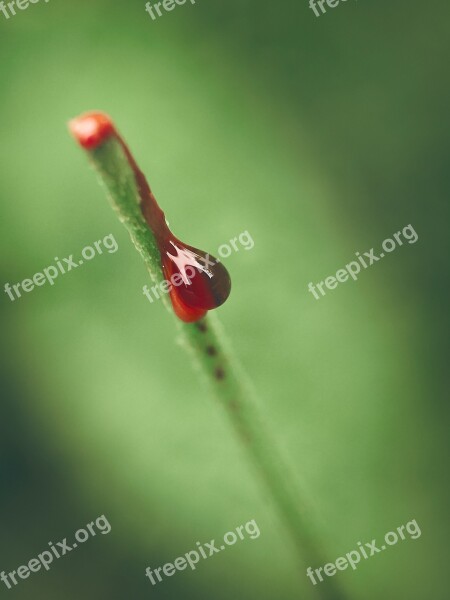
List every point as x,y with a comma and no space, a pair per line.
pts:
321,137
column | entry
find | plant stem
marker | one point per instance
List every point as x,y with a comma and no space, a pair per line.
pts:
206,343
236,394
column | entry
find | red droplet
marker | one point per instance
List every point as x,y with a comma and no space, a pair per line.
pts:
198,282
183,312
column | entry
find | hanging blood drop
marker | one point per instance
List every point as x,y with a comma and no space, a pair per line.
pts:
198,281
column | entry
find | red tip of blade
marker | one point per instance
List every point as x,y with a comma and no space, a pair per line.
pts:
91,129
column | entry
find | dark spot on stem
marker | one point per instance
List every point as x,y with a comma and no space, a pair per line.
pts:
201,326
219,373
211,351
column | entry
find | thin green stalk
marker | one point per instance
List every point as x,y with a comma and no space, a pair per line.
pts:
206,343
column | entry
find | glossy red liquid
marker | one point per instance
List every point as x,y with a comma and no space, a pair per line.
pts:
198,281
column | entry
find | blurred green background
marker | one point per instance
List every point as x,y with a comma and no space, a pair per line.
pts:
321,137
